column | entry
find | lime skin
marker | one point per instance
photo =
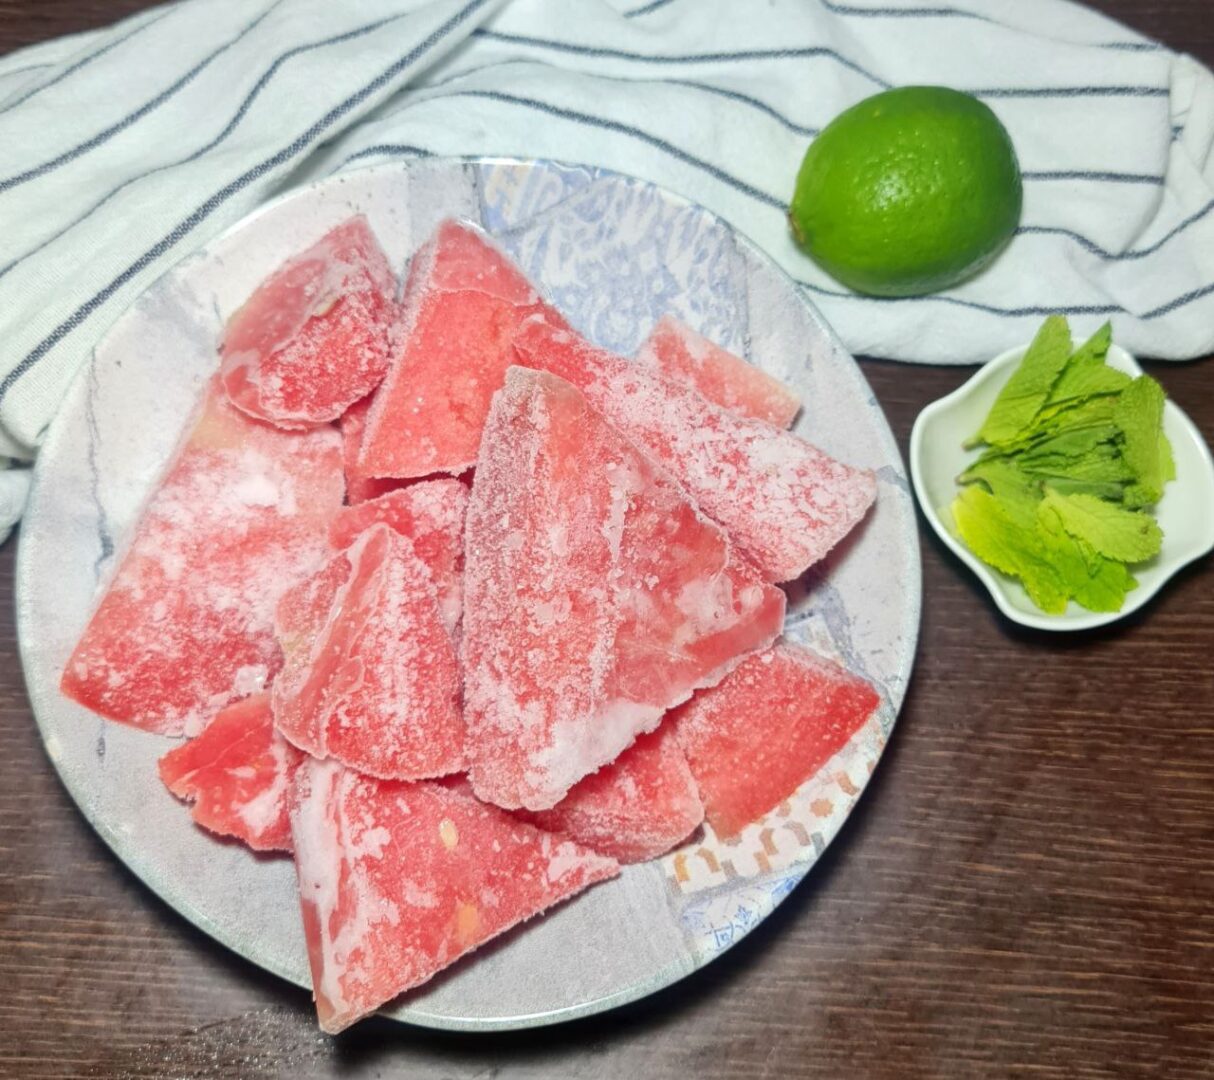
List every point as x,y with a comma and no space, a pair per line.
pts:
908,192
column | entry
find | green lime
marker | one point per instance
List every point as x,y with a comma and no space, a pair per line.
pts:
908,192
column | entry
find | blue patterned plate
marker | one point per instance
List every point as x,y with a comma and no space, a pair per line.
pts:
615,254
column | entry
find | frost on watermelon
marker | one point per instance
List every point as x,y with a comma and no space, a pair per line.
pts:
371,676
596,596
186,625
677,352
463,302
359,487
639,807
766,728
237,773
783,502
316,335
431,514
397,880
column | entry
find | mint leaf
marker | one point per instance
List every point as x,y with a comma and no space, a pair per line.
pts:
1095,349
1029,387
994,535
1096,583
1139,416
1167,463
1102,465
1125,535
1081,381
1018,491
1068,447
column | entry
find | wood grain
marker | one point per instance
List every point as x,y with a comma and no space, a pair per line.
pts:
1025,890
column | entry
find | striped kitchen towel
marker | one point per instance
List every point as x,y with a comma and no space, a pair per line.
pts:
123,150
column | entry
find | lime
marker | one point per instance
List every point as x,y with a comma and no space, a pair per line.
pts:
908,192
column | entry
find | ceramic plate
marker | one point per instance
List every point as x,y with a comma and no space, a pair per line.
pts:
615,254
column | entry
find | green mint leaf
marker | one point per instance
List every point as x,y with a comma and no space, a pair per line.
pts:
1068,447
1018,491
1102,465
1095,349
1167,463
1096,583
1125,535
992,533
1029,387
1083,381
1139,416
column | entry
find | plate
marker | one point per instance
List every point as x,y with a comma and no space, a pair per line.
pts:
614,254
938,457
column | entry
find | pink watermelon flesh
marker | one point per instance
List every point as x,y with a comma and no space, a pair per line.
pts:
397,880
596,596
316,335
678,353
431,514
784,503
371,678
359,488
639,807
766,728
463,303
237,773
186,625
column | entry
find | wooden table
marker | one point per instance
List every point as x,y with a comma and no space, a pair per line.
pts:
1027,889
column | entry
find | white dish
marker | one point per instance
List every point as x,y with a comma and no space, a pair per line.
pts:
1185,513
614,254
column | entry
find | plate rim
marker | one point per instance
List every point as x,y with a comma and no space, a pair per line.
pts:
660,979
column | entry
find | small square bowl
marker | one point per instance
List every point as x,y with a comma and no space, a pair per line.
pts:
1185,513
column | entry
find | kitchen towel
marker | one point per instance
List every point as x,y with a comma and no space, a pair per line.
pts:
123,150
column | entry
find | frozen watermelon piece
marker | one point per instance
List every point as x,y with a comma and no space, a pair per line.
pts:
303,610
766,728
463,257
677,352
639,807
372,678
596,596
317,334
186,625
397,880
237,773
431,514
360,488
784,503
463,303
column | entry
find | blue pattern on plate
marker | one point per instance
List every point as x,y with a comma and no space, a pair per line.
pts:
612,282
715,922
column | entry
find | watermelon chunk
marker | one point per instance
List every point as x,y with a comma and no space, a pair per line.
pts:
359,488
431,514
783,502
186,625
397,880
463,303
316,335
237,773
766,728
677,352
371,678
639,807
597,596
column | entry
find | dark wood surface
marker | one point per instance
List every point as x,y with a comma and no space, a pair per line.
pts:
1027,888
